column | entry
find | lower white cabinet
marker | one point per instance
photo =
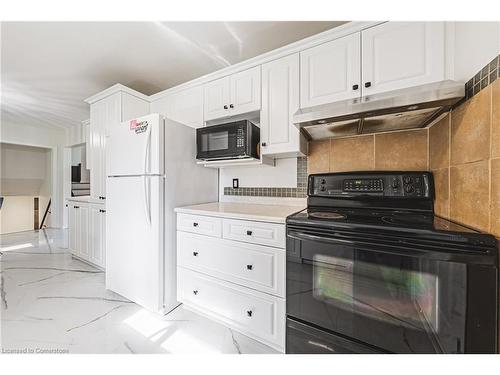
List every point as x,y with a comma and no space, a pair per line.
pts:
236,277
258,315
87,224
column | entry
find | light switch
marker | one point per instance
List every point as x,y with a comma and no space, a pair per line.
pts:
236,183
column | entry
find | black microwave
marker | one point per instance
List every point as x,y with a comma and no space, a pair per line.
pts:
234,140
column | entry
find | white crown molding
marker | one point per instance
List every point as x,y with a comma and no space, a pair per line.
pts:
312,41
113,90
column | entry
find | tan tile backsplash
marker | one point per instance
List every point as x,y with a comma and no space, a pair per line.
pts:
470,129
343,149
462,150
469,195
406,150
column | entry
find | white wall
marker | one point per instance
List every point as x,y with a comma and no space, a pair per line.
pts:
475,44
40,136
16,214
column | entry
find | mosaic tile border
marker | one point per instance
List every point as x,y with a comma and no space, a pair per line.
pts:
486,76
299,192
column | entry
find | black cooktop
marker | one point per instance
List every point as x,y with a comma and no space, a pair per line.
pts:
382,203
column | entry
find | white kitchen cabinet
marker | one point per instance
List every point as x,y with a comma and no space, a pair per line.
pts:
97,240
72,225
217,98
87,232
186,107
233,270
402,54
258,315
115,108
330,72
233,95
280,100
245,91
83,231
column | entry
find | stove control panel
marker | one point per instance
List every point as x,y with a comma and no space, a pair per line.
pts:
376,184
364,185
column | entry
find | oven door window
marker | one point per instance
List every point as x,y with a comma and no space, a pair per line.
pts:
394,295
399,303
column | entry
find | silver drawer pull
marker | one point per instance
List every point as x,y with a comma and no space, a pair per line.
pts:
249,232
195,292
249,267
249,313
195,224
195,253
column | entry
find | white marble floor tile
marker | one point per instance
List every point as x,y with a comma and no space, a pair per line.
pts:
50,300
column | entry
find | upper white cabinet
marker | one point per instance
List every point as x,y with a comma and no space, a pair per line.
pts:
217,98
402,54
331,71
386,57
280,100
233,95
114,108
186,107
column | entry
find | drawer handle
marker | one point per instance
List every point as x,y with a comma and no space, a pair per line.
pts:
249,313
195,253
195,224
249,267
195,292
249,232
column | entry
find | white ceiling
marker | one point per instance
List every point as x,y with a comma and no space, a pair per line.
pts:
49,68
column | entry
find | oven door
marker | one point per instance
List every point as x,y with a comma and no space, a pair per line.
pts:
227,141
387,298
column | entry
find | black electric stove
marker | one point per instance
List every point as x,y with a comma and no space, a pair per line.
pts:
371,269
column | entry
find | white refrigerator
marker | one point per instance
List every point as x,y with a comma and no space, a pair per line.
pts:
151,169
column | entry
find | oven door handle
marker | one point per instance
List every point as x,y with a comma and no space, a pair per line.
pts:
366,246
310,237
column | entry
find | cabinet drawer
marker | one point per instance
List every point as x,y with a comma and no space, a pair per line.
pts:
255,314
268,234
207,225
254,266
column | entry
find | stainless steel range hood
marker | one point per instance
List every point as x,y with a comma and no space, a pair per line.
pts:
414,107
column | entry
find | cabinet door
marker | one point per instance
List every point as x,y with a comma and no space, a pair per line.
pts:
280,100
402,54
330,71
72,228
187,107
83,229
217,99
245,91
102,236
96,215
97,121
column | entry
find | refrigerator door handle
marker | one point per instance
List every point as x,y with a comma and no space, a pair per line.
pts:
147,201
147,151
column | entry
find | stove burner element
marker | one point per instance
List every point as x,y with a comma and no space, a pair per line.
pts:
327,215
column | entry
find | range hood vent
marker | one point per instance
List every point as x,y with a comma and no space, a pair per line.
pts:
410,108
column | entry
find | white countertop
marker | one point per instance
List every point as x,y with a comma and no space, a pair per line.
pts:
248,211
86,199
